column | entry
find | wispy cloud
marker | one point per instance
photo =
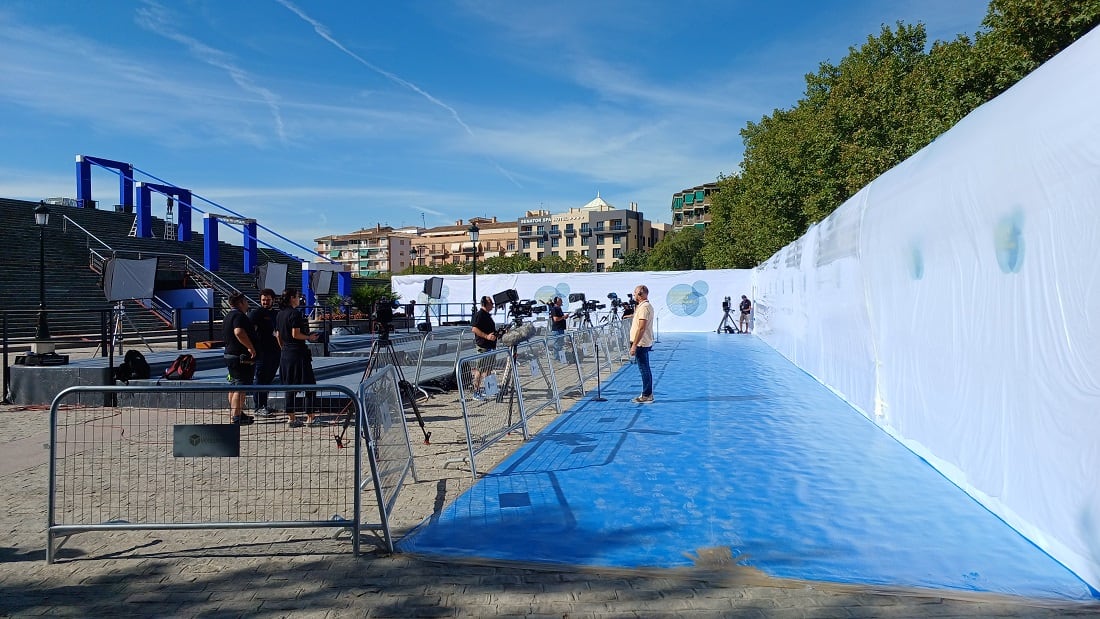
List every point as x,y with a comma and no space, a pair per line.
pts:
326,34
157,19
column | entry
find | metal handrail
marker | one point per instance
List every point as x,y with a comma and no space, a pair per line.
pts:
66,218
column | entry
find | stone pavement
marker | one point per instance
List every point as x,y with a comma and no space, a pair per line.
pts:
309,573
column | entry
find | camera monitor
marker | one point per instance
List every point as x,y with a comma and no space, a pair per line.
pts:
433,287
576,297
507,296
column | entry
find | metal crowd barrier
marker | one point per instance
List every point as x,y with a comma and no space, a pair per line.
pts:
563,358
492,405
388,445
141,465
535,377
440,351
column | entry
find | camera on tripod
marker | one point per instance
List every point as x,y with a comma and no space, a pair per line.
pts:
383,316
726,305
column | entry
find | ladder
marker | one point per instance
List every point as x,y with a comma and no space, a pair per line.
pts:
133,228
170,223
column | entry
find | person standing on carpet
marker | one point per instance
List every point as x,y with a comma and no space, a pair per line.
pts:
296,361
641,341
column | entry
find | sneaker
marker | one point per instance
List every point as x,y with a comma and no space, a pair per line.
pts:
317,423
294,423
243,420
478,395
264,411
642,399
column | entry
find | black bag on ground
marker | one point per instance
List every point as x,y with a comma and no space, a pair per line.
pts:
133,366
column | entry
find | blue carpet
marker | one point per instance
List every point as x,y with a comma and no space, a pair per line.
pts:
742,455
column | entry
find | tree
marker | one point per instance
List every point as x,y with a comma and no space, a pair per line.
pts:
634,260
578,263
505,264
678,251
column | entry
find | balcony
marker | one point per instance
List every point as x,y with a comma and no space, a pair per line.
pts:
586,232
570,232
529,234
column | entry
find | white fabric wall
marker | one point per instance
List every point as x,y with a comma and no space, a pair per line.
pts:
956,301
686,301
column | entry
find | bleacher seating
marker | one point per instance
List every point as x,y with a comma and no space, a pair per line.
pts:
74,296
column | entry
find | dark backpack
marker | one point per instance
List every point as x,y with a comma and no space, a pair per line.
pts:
133,365
183,368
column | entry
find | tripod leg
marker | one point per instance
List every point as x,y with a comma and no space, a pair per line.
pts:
408,392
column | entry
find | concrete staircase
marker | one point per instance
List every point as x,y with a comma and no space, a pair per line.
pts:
74,296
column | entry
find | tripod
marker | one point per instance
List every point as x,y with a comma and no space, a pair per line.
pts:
114,338
582,319
728,324
380,346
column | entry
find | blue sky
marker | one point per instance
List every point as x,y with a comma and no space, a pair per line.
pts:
321,117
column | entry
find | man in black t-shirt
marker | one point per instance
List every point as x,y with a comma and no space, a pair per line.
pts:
239,335
485,337
557,317
267,363
746,312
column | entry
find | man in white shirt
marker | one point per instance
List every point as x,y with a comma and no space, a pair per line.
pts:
641,341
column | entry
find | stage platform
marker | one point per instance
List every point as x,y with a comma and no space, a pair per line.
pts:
346,366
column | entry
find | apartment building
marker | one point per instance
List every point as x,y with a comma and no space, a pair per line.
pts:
691,207
369,252
452,245
596,230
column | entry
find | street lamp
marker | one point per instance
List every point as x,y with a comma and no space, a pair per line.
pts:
412,257
42,333
474,232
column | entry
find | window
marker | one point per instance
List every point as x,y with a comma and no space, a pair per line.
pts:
599,267
540,229
616,224
569,241
584,227
584,252
568,227
599,254
617,253
511,246
527,243
570,253
542,242
617,238
554,242
554,228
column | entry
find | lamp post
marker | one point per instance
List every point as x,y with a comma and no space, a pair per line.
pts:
412,257
43,345
474,232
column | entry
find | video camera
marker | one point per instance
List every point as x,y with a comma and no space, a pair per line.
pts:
586,305
383,315
726,305
517,309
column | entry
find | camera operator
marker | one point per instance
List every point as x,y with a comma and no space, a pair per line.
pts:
485,337
641,341
746,312
557,318
239,335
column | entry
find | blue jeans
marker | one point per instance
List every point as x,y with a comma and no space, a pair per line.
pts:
641,354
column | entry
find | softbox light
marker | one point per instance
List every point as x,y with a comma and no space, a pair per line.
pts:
433,287
320,281
271,275
129,279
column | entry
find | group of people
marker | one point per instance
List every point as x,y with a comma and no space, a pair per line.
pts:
262,342
641,338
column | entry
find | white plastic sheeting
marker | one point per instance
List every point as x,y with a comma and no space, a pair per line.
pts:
956,301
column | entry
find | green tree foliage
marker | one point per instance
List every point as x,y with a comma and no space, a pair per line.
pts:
678,251
363,298
578,264
504,264
884,101
636,260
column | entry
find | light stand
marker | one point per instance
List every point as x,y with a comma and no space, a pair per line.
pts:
599,369
474,233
